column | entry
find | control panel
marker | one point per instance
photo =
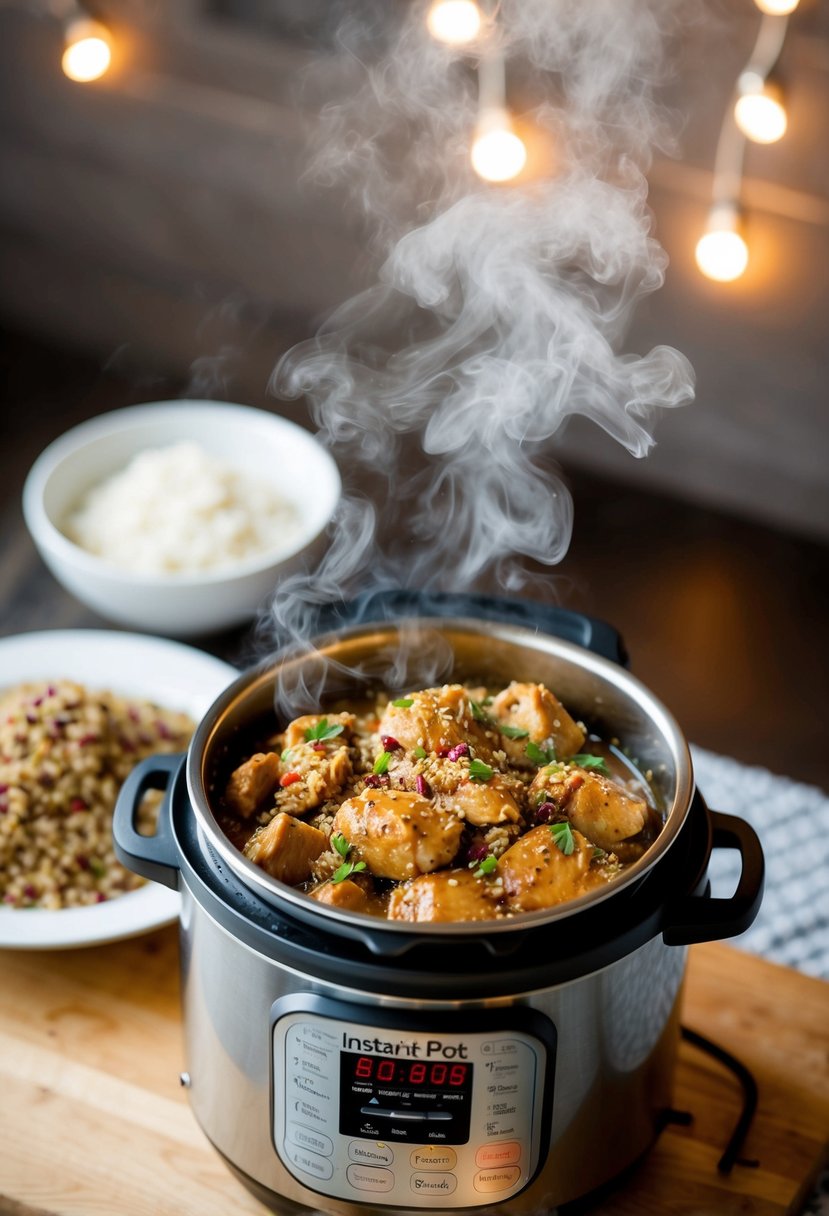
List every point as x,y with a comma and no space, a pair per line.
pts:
410,1110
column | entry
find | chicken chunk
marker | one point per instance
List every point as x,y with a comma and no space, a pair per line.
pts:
346,894
448,896
436,720
398,834
296,731
251,783
534,709
286,848
311,776
484,803
537,874
605,812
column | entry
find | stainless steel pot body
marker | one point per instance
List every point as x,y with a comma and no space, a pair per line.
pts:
278,989
617,1034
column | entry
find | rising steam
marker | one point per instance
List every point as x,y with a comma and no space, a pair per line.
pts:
497,312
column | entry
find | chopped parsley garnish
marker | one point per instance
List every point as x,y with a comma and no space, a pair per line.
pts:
513,732
487,866
563,837
478,711
479,771
540,755
286,755
403,703
347,869
381,764
598,763
322,730
340,844
97,867
420,752
598,853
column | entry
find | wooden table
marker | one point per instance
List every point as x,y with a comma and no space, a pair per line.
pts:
93,1121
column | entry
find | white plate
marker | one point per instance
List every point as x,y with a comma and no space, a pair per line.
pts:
172,675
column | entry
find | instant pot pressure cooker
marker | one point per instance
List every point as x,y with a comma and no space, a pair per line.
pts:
345,1063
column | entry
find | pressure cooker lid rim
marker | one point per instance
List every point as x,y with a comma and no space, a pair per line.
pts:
278,893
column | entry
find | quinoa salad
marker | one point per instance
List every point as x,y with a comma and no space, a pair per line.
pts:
65,751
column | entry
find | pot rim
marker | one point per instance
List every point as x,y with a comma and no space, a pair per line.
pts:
366,926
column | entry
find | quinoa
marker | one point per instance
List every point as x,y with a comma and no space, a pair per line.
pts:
65,751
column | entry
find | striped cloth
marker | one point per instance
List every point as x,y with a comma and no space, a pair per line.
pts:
792,821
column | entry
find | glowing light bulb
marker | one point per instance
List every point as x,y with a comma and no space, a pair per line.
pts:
759,110
777,8
88,53
454,21
721,253
498,154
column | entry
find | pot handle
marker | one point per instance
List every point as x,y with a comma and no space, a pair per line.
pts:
699,918
570,626
153,857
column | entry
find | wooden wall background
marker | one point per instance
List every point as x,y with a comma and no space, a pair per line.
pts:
157,218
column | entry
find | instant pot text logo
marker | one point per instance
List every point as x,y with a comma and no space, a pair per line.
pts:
432,1049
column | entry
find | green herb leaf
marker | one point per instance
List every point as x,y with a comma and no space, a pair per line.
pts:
513,732
563,837
381,764
598,763
403,703
420,752
478,711
479,771
598,853
487,866
286,755
322,730
97,867
540,755
340,844
347,869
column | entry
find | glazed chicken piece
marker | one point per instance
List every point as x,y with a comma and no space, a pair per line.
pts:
537,874
287,848
605,812
296,731
311,775
602,809
251,783
534,709
447,896
437,719
398,834
345,894
484,803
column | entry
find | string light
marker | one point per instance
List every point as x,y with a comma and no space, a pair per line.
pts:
777,8
88,50
454,22
722,253
759,110
758,114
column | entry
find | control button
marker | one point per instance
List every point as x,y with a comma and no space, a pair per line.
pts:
306,1137
505,1153
433,1158
434,1184
488,1181
366,1178
370,1152
309,1163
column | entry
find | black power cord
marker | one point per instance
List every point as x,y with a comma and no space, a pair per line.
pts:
730,1157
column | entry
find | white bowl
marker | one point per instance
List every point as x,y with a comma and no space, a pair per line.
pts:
180,604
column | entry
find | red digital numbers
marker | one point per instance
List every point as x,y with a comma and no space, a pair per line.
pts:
411,1072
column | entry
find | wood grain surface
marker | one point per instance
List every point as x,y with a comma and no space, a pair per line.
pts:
93,1120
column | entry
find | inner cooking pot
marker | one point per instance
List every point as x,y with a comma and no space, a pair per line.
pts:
354,658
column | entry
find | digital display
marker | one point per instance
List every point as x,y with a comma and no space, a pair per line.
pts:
414,1073
394,1098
